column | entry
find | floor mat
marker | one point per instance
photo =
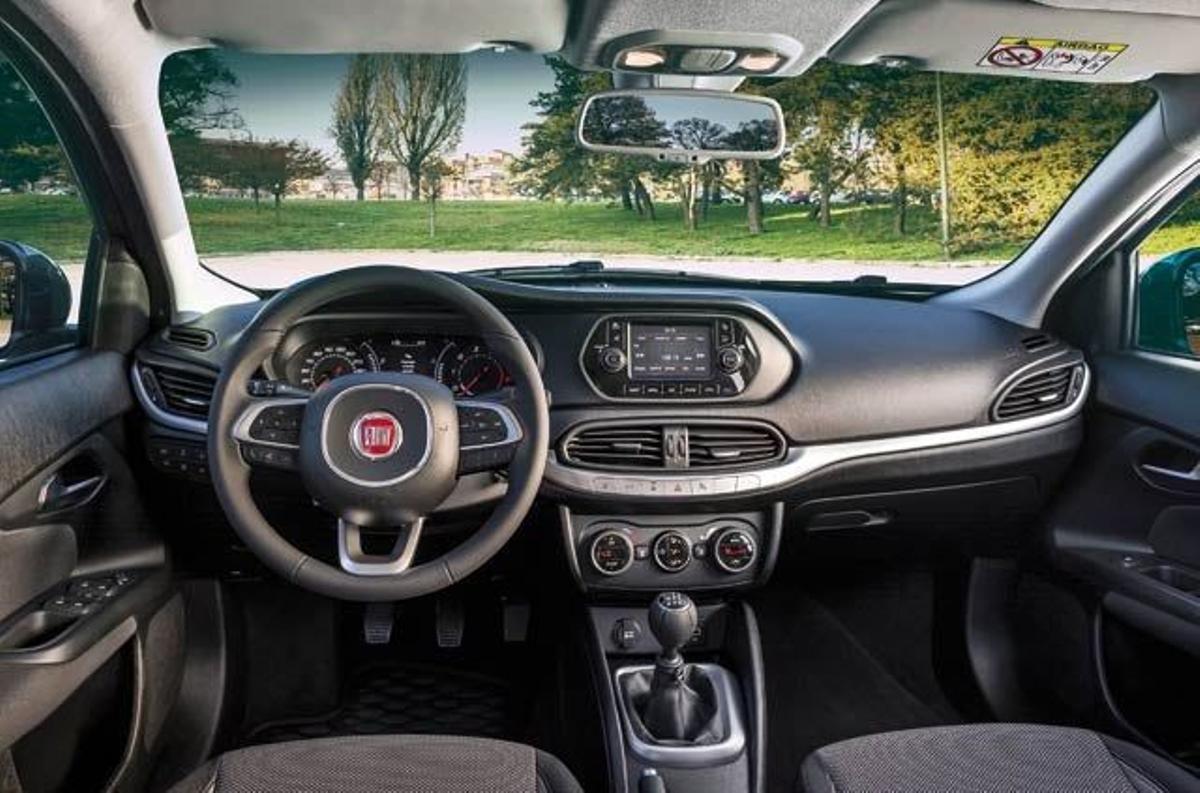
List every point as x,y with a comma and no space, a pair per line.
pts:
824,686
410,698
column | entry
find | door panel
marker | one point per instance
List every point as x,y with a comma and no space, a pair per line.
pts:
1128,527
82,577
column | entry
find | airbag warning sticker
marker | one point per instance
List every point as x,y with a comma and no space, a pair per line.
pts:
1051,55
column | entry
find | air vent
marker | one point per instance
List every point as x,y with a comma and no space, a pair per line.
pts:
1040,393
673,446
1038,341
723,445
627,446
185,393
192,338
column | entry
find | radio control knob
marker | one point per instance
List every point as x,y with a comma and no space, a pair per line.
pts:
612,359
730,359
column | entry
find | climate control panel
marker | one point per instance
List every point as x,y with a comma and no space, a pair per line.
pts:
663,551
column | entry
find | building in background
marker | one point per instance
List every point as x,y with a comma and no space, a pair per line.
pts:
481,177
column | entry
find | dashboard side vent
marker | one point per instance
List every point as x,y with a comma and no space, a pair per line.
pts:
1036,342
1040,392
724,445
183,392
616,446
192,338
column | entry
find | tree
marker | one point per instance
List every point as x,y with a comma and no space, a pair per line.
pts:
554,165
435,172
424,102
29,149
195,91
293,162
824,113
381,176
357,120
757,135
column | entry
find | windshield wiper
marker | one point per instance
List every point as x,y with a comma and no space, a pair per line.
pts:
581,267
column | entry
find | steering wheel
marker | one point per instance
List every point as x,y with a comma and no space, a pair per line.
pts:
376,449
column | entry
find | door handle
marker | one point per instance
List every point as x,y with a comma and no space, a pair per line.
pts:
1190,475
61,492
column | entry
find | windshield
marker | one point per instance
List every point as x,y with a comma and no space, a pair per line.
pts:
298,164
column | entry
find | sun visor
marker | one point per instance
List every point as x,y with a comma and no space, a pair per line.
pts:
1025,39
321,26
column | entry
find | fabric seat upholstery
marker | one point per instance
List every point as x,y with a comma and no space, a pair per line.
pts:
991,758
383,764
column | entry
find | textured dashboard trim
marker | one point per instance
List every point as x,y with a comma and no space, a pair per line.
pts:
801,461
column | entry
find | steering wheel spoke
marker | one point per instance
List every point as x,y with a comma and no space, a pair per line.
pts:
268,432
489,435
354,558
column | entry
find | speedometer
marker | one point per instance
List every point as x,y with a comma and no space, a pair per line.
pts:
327,362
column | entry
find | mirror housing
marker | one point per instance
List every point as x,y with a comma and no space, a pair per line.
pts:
35,295
682,125
1169,304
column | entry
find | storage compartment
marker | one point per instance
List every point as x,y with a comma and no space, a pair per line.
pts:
80,745
1174,577
1153,685
35,629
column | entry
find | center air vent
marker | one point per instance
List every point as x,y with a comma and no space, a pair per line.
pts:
179,391
720,445
1040,392
192,338
673,446
616,446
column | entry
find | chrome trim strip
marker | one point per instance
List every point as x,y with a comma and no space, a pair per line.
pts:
158,414
384,482
512,427
705,755
801,461
241,427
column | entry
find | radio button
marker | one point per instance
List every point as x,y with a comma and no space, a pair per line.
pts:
730,359
612,359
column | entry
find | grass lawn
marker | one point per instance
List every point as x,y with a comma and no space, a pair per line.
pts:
59,226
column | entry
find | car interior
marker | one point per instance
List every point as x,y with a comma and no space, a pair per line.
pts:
605,530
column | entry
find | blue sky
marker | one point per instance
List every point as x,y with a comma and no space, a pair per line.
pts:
289,96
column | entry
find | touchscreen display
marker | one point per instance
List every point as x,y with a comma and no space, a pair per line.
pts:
670,352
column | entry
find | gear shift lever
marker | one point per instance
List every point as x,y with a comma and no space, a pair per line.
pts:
673,709
673,621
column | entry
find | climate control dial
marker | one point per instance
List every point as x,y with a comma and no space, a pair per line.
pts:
672,551
734,550
612,552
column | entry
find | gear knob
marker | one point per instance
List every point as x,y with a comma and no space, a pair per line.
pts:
673,621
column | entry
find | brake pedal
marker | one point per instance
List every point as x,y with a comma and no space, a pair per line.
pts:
451,622
378,619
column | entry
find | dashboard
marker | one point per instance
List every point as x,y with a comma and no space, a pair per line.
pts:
690,426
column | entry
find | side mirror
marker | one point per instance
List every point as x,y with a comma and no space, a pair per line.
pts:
682,125
1169,304
35,295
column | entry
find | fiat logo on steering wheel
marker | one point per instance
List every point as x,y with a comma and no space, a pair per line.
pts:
376,435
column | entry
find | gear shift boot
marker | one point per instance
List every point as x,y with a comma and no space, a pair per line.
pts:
683,712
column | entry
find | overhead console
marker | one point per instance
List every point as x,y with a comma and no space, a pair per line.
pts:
694,357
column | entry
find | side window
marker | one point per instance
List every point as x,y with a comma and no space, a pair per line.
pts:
45,228
1168,298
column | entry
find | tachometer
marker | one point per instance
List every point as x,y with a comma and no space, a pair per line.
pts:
469,369
327,362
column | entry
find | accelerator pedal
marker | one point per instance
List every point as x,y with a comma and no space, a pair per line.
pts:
451,622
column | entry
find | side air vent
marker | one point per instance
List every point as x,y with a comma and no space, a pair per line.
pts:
1036,342
626,446
182,392
192,338
1041,392
722,445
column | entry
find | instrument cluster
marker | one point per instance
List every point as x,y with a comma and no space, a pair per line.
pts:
461,363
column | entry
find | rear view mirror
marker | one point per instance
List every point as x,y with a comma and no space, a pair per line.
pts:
682,125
